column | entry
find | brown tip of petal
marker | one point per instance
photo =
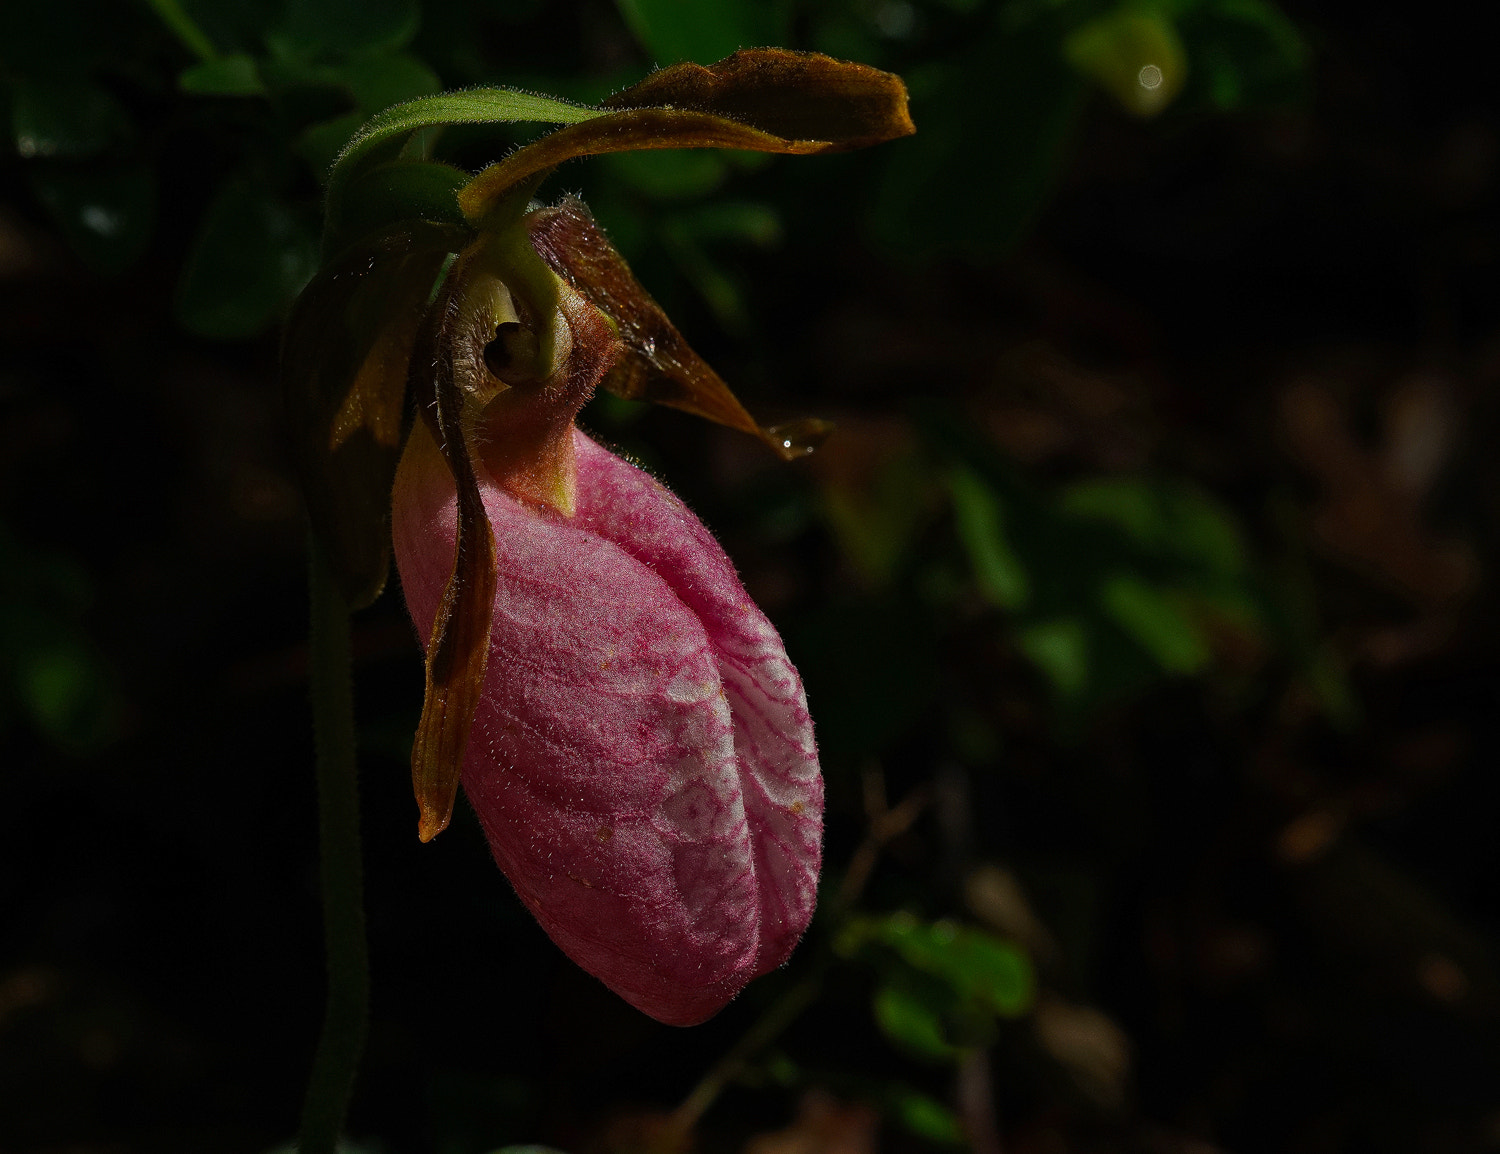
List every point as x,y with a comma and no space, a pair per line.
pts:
433,821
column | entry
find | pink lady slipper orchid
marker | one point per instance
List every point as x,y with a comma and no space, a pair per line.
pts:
624,720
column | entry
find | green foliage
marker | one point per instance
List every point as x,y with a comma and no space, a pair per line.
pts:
924,1116
66,118
229,289
671,30
308,74
106,211
1110,583
50,676
941,985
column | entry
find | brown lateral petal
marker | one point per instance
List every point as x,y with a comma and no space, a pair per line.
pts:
658,365
459,647
794,95
344,366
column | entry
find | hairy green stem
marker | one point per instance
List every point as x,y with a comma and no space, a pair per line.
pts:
346,1019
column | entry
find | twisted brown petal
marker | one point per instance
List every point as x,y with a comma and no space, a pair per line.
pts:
459,647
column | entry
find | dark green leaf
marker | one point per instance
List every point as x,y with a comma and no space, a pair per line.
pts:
981,528
669,175
672,31
235,75
106,213
925,1116
252,256
56,118
347,26
1059,647
1244,54
379,81
907,1019
997,121
1156,622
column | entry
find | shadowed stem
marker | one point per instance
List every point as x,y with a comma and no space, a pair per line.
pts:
346,1018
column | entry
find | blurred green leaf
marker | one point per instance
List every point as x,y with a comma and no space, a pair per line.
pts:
64,690
236,75
1156,622
106,213
251,258
925,1116
1134,54
669,174
1245,54
736,221
689,235
1167,518
975,964
347,26
66,118
908,1020
172,14
877,524
49,672
981,529
941,985
379,80
672,30
995,121
1059,648
319,146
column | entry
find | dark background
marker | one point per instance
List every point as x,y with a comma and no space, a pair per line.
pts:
1150,577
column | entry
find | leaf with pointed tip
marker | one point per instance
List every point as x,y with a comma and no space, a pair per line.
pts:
761,100
344,370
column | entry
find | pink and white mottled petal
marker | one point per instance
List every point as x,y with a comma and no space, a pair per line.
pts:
774,747
602,761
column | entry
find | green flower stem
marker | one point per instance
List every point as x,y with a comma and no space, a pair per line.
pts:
346,1019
